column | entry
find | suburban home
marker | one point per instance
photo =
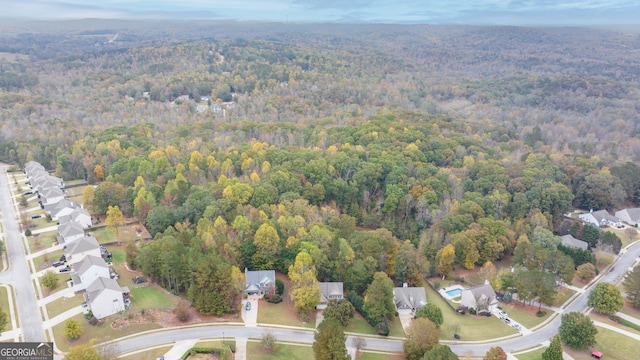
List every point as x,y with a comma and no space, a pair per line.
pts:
77,250
87,270
600,218
41,181
260,282
409,299
105,297
69,232
51,195
569,240
61,208
33,166
79,215
630,216
481,297
329,291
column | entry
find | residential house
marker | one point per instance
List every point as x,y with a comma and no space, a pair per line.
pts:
260,282
61,208
51,195
105,297
329,291
568,240
87,270
32,167
69,233
79,215
41,181
481,297
630,216
600,218
409,299
87,245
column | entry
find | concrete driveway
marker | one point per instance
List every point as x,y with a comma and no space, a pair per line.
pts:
250,317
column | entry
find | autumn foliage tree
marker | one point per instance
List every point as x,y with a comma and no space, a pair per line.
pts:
495,353
422,335
305,291
445,259
605,298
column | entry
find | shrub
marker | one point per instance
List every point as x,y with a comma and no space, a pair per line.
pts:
436,285
382,328
275,299
279,287
182,311
541,313
27,232
472,311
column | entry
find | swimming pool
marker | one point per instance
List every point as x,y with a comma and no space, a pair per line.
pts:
454,292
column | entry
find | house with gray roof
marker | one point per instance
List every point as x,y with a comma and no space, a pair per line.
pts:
32,167
61,208
329,291
105,297
51,195
481,297
409,299
600,218
260,282
79,215
77,250
69,232
87,270
630,216
569,240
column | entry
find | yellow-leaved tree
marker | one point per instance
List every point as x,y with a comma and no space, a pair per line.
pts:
305,291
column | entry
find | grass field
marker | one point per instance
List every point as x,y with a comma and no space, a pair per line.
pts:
100,332
149,297
469,327
373,356
396,328
282,314
217,344
255,351
39,242
62,284
360,325
44,261
149,354
612,345
4,305
628,309
524,314
63,304
531,355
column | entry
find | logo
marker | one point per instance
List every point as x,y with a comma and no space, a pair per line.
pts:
26,351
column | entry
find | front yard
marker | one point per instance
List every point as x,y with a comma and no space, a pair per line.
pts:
611,344
282,352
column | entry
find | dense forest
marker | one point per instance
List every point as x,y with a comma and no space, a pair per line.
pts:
368,147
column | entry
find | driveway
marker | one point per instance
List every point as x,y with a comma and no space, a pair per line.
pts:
250,317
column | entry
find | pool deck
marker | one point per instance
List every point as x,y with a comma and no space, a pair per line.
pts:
446,296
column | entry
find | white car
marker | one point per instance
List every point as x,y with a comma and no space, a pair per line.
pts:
502,314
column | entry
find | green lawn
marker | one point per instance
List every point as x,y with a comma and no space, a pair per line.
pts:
62,284
255,351
150,297
63,304
531,355
101,332
4,305
396,328
217,344
525,314
104,235
469,327
149,354
283,313
611,344
628,309
374,356
360,325
39,242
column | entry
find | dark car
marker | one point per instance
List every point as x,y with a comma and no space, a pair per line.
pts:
58,263
64,270
36,216
507,320
63,258
28,193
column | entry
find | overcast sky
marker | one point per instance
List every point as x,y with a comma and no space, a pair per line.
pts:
502,12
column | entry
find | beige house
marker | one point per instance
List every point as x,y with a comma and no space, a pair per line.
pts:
329,291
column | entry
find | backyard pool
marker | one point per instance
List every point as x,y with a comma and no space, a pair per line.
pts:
454,292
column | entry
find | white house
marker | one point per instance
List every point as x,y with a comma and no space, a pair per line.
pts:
32,167
105,297
87,270
630,216
61,208
41,181
568,240
69,232
79,215
481,297
260,282
600,218
51,195
409,299
77,250
329,291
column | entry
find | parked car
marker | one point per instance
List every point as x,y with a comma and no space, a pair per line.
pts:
28,193
502,314
63,258
516,326
84,304
58,263
36,216
65,269
138,280
248,306
506,320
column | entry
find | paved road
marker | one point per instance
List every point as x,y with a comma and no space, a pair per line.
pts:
579,304
18,274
